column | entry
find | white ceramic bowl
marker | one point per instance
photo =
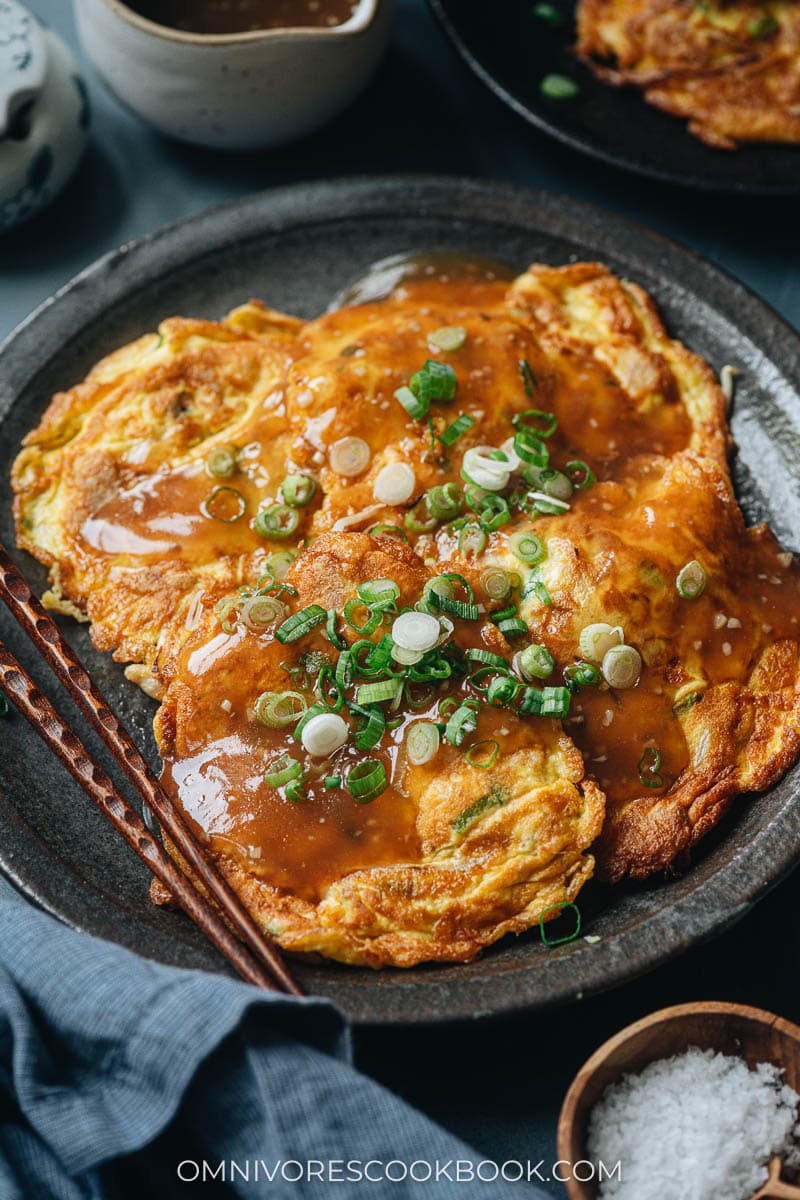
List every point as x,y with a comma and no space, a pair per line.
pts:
239,91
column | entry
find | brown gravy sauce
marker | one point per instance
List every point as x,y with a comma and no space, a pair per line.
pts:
217,17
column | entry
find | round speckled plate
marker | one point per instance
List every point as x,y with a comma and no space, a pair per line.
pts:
296,248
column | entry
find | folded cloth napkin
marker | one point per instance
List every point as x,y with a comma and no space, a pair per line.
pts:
122,1077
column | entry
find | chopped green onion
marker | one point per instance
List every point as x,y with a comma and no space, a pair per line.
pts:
472,539
598,638
495,583
686,702
277,521
650,767
536,662
453,432
463,721
691,581
551,482
558,87
457,608
282,770
483,754
375,693
542,503
448,337
279,709
221,461
374,616
366,780
296,792
560,908
372,728
344,669
534,586
301,623
220,507
445,501
329,691
581,674
494,512
415,406
544,424
388,531
334,637
298,490
512,627
503,690
278,563
314,710
420,519
545,702
257,612
422,742
528,548
381,592
494,798
763,26
529,447
433,381
580,474
479,655
621,666
527,376
332,781
547,13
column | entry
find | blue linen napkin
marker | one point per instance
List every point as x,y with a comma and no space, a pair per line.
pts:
116,1071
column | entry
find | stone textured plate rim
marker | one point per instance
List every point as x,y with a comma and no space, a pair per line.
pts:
486,988
584,145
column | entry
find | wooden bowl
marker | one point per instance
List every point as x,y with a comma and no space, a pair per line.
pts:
755,1035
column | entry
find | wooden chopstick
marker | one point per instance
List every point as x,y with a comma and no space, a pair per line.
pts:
70,750
16,593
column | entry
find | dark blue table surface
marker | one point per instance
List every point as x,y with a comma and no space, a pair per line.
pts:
499,1086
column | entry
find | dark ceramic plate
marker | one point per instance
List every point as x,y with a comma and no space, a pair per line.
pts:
513,54
296,248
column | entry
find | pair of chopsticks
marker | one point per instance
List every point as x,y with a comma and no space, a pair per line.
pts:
257,961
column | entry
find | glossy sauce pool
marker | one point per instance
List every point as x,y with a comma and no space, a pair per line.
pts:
244,16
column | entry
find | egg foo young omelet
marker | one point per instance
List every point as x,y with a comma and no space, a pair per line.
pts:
446,597
730,67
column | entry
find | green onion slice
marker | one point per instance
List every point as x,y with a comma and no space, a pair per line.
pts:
453,432
280,709
296,792
528,548
536,662
512,627
530,448
581,674
354,607
445,501
433,381
314,710
483,754
277,521
536,420
282,770
650,768
298,490
422,742
546,702
527,376
278,563
448,338
332,781
463,721
560,908
691,581
380,592
580,474
534,586
472,540
496,583
558,87
420,519
415,406
221,461
503,690
301,623
376,693
226,504
372,728
486,658
388,531
366,780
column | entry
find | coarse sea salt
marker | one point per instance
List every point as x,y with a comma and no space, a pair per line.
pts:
699,1126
